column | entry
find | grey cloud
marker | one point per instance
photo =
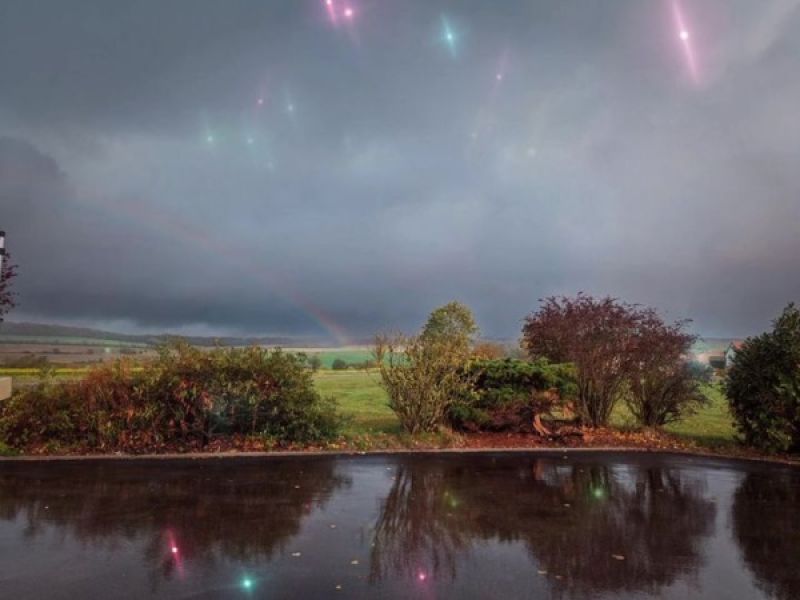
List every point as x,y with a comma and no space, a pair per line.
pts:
404,177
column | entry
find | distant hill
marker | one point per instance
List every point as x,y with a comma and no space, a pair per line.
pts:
43,333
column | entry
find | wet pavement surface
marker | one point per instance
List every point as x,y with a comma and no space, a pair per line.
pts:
580,525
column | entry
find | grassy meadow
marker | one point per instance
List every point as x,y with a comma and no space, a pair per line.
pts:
360,398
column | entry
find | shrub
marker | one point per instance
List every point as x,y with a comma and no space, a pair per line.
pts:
665,395
763,386
701,371
185,394
423,376
597,336
339,365
661,386
508,393
7,451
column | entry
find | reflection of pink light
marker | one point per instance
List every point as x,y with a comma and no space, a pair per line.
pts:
348,12
260,101
173,548
421,576
683,34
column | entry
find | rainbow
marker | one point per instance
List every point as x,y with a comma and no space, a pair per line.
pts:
242,258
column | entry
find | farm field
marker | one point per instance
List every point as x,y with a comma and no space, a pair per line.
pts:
347,354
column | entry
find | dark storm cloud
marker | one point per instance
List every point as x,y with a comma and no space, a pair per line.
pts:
403,176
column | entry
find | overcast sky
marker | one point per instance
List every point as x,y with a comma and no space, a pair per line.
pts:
289,167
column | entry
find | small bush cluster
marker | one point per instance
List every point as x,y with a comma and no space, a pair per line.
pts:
186,394
507,393
340,364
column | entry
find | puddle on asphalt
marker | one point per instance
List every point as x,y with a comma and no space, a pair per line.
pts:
402,526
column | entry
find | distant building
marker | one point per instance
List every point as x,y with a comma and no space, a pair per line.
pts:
717,361
731,350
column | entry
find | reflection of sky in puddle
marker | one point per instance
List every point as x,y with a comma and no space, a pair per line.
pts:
400,526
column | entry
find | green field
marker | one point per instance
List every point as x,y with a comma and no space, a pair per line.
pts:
349,356
360,398
712,425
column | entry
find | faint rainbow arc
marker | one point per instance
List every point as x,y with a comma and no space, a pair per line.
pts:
242,259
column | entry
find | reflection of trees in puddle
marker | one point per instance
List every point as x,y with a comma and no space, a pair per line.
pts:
183,512
635,535
766,525
419,527
589,527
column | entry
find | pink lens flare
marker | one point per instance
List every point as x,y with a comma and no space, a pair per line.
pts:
683,35
333,17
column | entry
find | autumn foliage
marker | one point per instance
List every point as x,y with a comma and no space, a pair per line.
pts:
619,350
186,395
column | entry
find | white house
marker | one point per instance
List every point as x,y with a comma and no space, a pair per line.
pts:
730,352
